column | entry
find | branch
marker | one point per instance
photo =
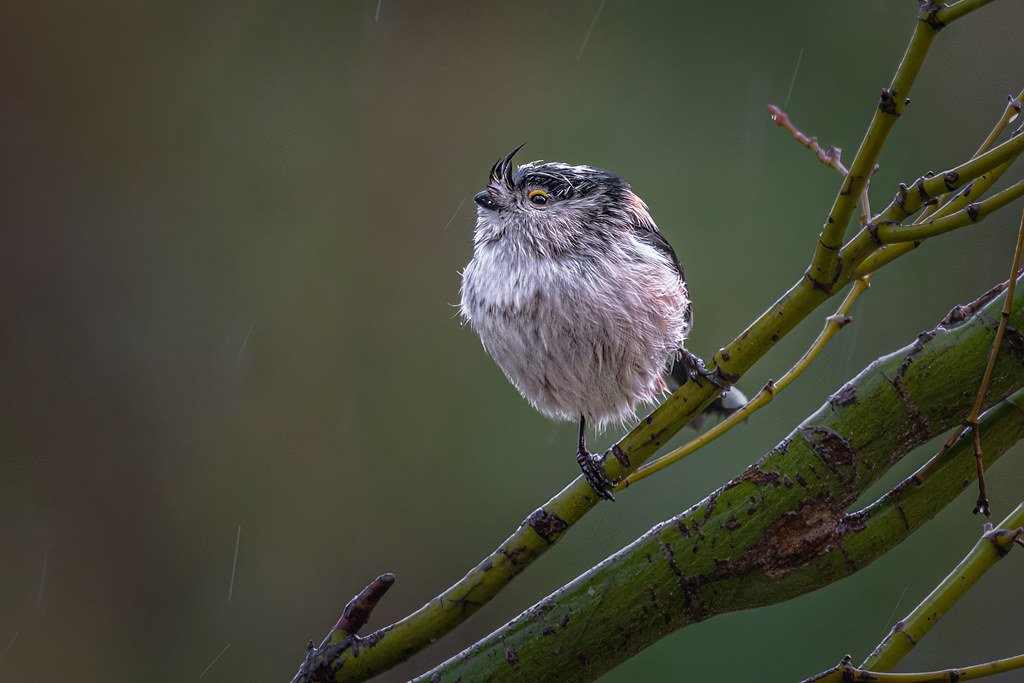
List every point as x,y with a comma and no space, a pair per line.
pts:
831,157
941,14
930,187
780,529
1012,111
990,548
945,205
971,214
932,17
865,253
847,673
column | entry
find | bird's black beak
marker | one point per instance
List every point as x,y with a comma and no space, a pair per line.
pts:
485,200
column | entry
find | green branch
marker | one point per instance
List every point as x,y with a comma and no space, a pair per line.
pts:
932,17
910,201
780,529
845,672
942,14
771,389
983,170
970,215
824,265
888,253
990,548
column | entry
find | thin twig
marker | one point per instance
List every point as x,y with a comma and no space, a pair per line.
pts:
941,15
982,504
946,205
861,255
829,157
1010,113
910,199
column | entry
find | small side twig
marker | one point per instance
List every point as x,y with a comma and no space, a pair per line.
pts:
831,157
961,312
940,209
319,662
866,252
357,611
889,233
1012,111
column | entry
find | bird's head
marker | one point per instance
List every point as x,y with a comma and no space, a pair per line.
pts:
551,206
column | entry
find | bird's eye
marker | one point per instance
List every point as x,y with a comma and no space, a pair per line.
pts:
539,197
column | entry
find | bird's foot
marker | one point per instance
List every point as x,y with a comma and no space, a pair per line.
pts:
696,370
593,469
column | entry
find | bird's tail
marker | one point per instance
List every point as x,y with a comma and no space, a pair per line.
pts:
731,400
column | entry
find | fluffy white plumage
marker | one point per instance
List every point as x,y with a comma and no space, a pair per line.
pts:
579,299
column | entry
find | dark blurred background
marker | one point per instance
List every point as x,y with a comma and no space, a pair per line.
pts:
231,243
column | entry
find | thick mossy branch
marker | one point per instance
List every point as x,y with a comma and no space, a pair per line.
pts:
781,528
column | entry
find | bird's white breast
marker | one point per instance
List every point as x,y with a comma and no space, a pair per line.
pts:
578,337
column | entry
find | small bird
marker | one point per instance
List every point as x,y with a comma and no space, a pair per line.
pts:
577,296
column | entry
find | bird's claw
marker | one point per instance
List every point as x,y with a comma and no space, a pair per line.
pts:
696,370
592,466
982,506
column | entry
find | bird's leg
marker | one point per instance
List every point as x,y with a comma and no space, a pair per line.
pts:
593,466
696,370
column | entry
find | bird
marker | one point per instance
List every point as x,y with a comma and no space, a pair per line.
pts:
577,296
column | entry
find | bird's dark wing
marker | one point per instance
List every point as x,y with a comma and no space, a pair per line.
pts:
646,230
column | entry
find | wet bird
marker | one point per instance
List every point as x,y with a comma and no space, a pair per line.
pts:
577,296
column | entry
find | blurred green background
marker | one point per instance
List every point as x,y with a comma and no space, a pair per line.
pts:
232,238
